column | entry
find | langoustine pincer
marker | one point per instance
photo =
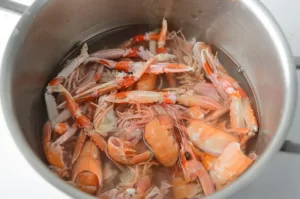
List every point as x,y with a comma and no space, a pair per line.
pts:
145,106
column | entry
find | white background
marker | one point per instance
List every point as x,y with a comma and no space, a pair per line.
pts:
280,180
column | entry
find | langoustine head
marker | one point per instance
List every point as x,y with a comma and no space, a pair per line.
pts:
193,169
87,170
159,136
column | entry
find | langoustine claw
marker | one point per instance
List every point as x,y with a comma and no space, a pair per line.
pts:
147,81
161,38
63,129
81,120
64,74
55,153
87,170
168,97
105,119
117,53
90,80
140,38
249,117
57,124
242,116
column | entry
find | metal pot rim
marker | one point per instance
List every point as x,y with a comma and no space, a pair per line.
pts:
288,111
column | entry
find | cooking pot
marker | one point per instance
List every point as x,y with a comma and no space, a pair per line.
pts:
243,29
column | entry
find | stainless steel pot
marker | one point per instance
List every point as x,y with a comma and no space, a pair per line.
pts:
242,28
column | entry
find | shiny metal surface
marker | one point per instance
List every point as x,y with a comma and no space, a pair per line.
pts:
243,29
13,6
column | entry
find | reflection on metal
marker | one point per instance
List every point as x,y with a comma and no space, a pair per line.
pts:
297,61
13,6
290,147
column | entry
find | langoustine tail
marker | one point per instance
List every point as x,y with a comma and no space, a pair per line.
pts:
87,170
230,164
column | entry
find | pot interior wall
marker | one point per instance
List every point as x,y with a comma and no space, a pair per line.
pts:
64,25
